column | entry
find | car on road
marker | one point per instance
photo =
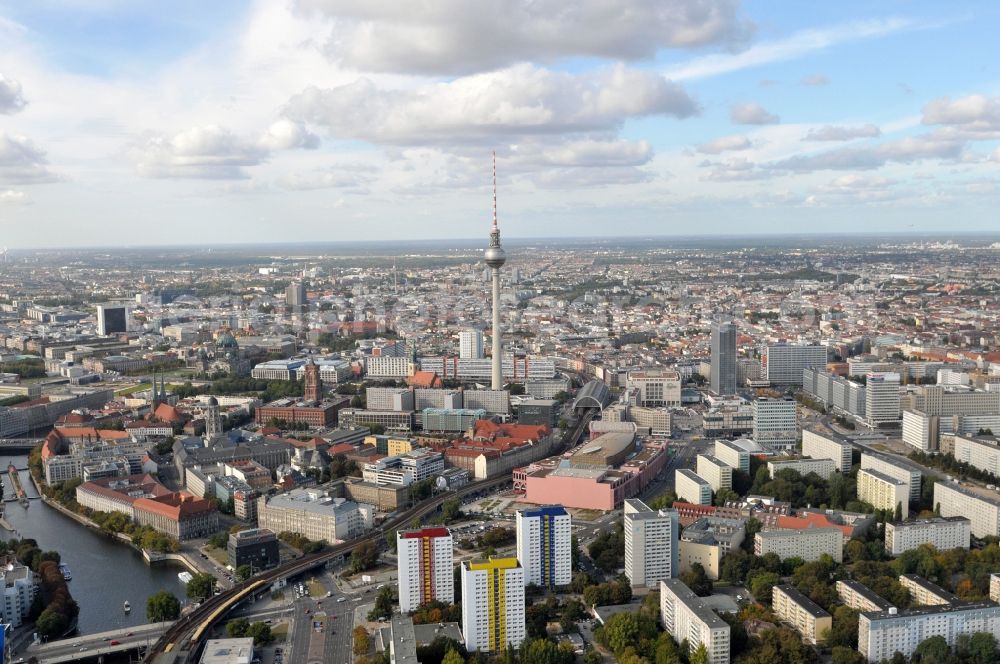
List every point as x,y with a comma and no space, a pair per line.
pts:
129,633
115,642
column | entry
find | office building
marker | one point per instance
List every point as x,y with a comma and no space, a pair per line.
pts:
691,488
980,506
470,344
544,545
883,492
925,593
404,469
425,566
860,597
943,533
895,469
718,475
651,543
824,445
686,617
784,362
492,604
774,424
836,392
295,295
537,411
733,455
822,467
808,544
881,634
228,651
257,547
723,374
315,515
882,399
112,318
19,590
655,387
800,612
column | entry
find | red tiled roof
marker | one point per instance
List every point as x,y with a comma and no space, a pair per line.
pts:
167,413
810,520
175,505
425,532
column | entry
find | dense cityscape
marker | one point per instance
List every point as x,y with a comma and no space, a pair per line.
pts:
499,332
695,451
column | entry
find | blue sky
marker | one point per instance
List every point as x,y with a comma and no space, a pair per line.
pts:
121,122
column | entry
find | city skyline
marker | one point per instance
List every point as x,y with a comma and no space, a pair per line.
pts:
231,122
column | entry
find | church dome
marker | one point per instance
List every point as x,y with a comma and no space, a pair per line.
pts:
226,340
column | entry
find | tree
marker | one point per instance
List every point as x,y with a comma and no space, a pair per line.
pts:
364,557
51,624
932,651
201,587
237,628
162,606
845,655
362,641
244,572
452,657
261,633
383,604
696,579
700,655
761,585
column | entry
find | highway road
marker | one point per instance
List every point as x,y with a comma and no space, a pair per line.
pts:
95,645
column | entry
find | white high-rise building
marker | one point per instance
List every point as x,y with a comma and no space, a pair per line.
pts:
651,543
657,387
980,506
718,475
732,455
882,398
883,492
944,533
687,618
894,469
808,544
692,488
822,467
470,344
784,362
774,424
492,604
425,566
882,634
818,445
544,545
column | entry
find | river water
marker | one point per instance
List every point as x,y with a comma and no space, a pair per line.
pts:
106,573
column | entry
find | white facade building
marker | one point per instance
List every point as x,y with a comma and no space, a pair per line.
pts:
774,424
732,455
882,398
822,467
808,544
544,545
894,469
980,506
686,617
944,533
425,565
651,543
784,362
718,474
492,604
818,445
470,344
884,492
881,634
657,387
691,488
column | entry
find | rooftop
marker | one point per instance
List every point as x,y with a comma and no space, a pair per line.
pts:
804,602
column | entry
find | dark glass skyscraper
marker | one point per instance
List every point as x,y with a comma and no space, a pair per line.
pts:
723,357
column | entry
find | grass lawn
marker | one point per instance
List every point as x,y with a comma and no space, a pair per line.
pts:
280,631
218,555
316,589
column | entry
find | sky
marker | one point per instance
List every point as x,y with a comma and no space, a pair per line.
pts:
125,122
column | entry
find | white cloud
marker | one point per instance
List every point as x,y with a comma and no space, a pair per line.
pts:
974,113
573,178
13,197
724,144
580,153
855,181
461,37
209,152
11,96
22,161
794,46
287,135
753,114
736,169
904,150
842,133
814,80
523,100
347,176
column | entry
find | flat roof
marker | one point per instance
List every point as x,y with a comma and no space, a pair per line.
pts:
930,610
930,587
804,602
690,474
867,593
881,476
694,603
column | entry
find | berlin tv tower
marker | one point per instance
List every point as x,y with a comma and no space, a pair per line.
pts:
495,258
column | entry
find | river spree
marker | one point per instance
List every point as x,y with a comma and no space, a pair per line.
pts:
105,572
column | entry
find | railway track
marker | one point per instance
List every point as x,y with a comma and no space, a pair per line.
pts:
191,628
188,632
